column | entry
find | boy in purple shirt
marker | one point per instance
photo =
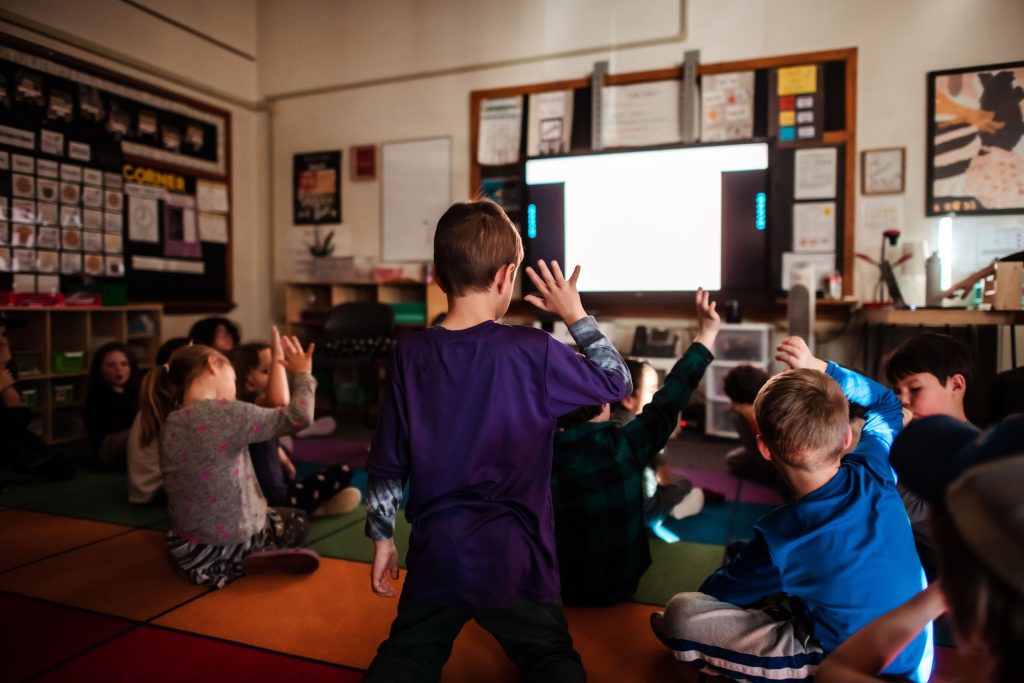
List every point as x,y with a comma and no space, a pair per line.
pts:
469,421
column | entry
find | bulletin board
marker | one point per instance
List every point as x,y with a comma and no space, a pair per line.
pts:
106,180
796,102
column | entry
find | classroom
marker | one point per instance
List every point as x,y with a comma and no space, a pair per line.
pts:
612,341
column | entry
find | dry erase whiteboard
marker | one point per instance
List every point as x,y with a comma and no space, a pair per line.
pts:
416,177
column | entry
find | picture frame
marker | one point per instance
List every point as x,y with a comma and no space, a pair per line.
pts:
883,171
316,188
364,162
974,161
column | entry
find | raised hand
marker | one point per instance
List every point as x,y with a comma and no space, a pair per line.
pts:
708,320
793,352
557,295
295,359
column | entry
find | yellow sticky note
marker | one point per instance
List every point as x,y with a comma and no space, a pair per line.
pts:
796,80
787,118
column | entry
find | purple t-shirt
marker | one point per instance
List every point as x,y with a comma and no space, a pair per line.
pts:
470,421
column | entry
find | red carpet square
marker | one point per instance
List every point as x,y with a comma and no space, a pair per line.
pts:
35,636
156,656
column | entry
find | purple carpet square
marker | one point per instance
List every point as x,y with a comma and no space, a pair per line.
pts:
712,480
331,452
755,492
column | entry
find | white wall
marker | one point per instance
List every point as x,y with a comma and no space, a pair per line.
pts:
898,42
138,44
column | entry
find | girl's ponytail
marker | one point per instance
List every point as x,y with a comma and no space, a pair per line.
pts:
164,386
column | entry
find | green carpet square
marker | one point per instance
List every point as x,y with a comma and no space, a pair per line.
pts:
677,568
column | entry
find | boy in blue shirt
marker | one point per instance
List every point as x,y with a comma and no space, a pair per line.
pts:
842,551
469,422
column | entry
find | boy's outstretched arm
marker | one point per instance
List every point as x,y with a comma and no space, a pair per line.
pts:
650,430
571,383
884,418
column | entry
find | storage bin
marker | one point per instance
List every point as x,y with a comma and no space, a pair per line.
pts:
719,419
410,312
714,378
63,394
28,363
739,344
30,397
68,361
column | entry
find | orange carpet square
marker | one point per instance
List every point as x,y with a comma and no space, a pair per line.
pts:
330,615
127,576
27,536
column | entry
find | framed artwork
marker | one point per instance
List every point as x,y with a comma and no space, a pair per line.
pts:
975,149
316,178
882,170
364,162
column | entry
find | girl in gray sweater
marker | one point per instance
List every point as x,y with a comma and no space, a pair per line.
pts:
222,526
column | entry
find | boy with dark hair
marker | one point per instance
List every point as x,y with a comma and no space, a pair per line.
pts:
469,421
930,373
741,386
597,485
841,551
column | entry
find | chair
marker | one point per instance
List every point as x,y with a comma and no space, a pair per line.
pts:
358,336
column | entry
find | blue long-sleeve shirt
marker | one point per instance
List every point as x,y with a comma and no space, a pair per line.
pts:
845,552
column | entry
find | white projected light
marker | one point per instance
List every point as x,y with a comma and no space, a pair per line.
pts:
646,221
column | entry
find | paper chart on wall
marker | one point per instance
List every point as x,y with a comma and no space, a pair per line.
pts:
640,114
142,219
823,264
727,106
501,126
814,226
213,228
815,173
550,125
212,197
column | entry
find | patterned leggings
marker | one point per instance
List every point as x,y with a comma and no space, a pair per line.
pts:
216,565
311,492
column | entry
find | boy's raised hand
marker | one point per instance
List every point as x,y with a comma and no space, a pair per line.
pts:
708,320
793,352
557,295
295,359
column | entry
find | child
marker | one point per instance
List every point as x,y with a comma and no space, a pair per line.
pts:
222,526
469,421
842,551
930,373
263,382
973,487
664,492
111,402
741,386
23,450
145,480
220,333
597,486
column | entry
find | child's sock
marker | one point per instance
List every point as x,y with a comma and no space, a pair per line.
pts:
341,503
690,505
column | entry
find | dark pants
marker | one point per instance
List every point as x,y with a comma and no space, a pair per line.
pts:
534,636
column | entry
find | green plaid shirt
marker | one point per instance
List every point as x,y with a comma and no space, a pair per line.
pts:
597,490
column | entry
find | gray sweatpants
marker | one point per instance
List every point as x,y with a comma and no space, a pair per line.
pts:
741,644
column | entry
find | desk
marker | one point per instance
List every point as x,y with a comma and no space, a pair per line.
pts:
981,335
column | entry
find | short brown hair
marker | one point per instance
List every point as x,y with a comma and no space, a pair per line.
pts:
473,240
803,417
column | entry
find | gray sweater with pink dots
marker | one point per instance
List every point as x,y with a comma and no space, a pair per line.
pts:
212,493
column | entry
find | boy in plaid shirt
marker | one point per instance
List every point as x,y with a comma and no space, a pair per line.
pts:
597,480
